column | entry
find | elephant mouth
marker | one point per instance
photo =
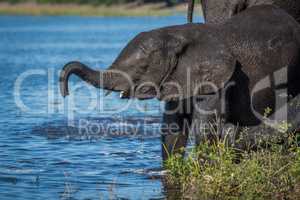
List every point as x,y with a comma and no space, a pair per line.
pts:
141,93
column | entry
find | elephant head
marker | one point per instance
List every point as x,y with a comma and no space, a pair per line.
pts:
153,65
218,11
138,71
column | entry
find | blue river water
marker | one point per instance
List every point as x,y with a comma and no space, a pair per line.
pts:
86,146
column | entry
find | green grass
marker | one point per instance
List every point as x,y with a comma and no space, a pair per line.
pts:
217,171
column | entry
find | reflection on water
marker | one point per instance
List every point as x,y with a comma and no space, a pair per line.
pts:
41,154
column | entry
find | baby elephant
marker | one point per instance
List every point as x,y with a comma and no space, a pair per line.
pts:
234,70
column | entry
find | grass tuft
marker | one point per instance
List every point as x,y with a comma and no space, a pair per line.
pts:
216,171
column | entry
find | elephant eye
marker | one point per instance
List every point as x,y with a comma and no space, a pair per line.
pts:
143,68
139,72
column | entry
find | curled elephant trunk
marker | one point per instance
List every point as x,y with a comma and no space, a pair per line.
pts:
98,79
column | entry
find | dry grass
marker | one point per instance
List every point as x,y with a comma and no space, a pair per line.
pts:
90,10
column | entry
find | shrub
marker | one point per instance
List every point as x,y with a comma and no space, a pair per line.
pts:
217,171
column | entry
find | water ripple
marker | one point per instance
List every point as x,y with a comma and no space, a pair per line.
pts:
41,155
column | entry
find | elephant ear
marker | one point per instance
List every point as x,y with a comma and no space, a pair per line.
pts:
199,71
163,59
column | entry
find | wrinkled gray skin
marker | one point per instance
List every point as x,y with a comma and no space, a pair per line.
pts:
218,11
233,52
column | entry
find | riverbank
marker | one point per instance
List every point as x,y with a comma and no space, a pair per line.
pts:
216,171
91,10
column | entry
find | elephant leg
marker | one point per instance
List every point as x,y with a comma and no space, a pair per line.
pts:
175,125
173,144
208,118
205,130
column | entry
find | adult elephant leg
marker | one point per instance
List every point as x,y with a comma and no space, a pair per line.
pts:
191,5
176,121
